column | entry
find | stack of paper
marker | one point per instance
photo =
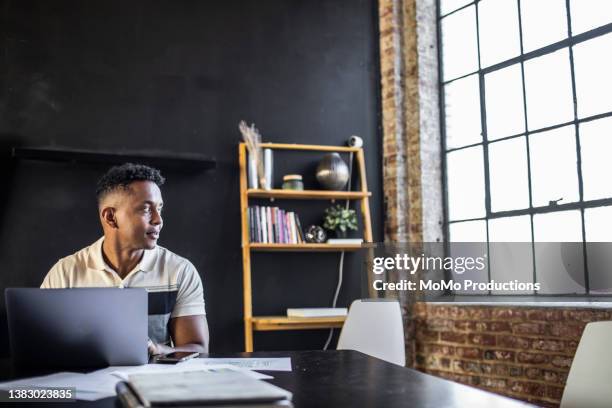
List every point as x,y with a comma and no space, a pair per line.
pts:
317,312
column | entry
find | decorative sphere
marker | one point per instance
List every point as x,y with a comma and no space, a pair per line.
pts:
332,172
315,234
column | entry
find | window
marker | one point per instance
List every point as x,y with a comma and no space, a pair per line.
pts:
526,96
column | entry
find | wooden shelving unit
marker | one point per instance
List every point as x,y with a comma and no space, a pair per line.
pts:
267,323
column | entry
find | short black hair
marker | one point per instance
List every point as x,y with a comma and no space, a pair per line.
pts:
120,177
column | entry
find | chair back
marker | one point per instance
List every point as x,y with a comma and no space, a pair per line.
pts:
589,380
374,327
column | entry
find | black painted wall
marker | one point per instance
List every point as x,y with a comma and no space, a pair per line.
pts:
177,76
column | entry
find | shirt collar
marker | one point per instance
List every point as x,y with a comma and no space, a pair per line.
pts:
96,260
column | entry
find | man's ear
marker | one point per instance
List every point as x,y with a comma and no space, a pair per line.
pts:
108,215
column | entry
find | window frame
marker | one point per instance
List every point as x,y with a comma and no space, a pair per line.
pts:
567,43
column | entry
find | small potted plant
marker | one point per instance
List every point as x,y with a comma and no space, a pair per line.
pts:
340,220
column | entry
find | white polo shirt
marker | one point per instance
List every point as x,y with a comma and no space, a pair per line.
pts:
173,284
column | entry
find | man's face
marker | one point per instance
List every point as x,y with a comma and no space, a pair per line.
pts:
139,216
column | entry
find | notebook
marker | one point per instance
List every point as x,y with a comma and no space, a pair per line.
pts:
203,388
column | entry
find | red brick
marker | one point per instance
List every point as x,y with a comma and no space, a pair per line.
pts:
479,313
470,367
436,349
419,309
438,324
485,368
566,330
571,346
445,362
545,315
529,328
562,361
465,325
427,335
587,315
533,373
457,312
499,327
513,342
481,339
504,370
495,383
491,326
501,355
453,337
515,371
432,361
553,392
529,388
436,311
531,358
468,352
554,377
548,345
508,314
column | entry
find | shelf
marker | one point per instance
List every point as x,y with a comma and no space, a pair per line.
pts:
308,194
304,247
267,323
187,161
316,148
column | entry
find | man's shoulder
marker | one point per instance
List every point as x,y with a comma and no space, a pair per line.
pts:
80,259
172,259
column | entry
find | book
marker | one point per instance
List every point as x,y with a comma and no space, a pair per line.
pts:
317,312
345,241
276,225
264,226
292,227
281,226
218,387
258,224
300,231
269,225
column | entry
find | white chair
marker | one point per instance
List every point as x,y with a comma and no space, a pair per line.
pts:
374,327
588,383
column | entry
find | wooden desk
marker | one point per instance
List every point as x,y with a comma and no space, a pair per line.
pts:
352,379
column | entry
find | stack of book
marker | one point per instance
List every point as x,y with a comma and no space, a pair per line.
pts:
271,225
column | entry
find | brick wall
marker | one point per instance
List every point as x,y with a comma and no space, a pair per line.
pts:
520,352
411,138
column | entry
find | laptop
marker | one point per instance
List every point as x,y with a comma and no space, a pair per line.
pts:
81,327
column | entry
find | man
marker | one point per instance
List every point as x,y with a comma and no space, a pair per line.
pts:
130,205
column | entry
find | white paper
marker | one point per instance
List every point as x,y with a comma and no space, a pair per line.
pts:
259,363
186,366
